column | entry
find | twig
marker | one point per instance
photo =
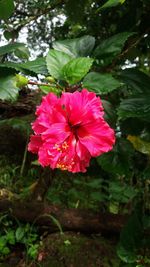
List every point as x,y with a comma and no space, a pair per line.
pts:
24,157
124,52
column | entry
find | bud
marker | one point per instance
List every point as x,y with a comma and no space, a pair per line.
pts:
21,81
50,79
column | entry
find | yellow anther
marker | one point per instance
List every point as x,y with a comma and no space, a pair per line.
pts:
57,147
63,167
62,147
65,145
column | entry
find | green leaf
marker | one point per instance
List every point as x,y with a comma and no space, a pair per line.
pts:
11,237
37,66
126,255
110,113
119,160
112,3
136,80
139,144
11,48
56,60
134,126
5,251
97,196
3,242
6,8
130,239
121,193
145,176
111,47
100,83
20,232
8,35
130,265
78,47
8,88
136,107
94,184
22,52
33,251
56,222
13,67
76,69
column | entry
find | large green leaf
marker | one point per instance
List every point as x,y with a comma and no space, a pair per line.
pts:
6,8
111,3
136,80
22,52
134,126
136,107
111,47
11,66
119,160
20,233
139,144
56,60
100,83
76,69
8,88
130,239
78,47
110,113
37,66
11,48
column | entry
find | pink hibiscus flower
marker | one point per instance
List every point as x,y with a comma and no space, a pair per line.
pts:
69,130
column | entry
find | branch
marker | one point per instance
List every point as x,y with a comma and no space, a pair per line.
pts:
124,52
32,17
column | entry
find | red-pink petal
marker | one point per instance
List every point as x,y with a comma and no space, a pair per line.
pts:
97,137
35,143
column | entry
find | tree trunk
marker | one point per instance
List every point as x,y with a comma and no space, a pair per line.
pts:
44,214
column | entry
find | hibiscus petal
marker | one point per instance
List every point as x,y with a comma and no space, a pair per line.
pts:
97,137
82,106
47,104
56,133
35,143
82,151
48,156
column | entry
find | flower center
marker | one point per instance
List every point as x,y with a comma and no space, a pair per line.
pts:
65,166
61,147
73,129
64,162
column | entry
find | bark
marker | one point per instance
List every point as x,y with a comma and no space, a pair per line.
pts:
26,104
70,219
